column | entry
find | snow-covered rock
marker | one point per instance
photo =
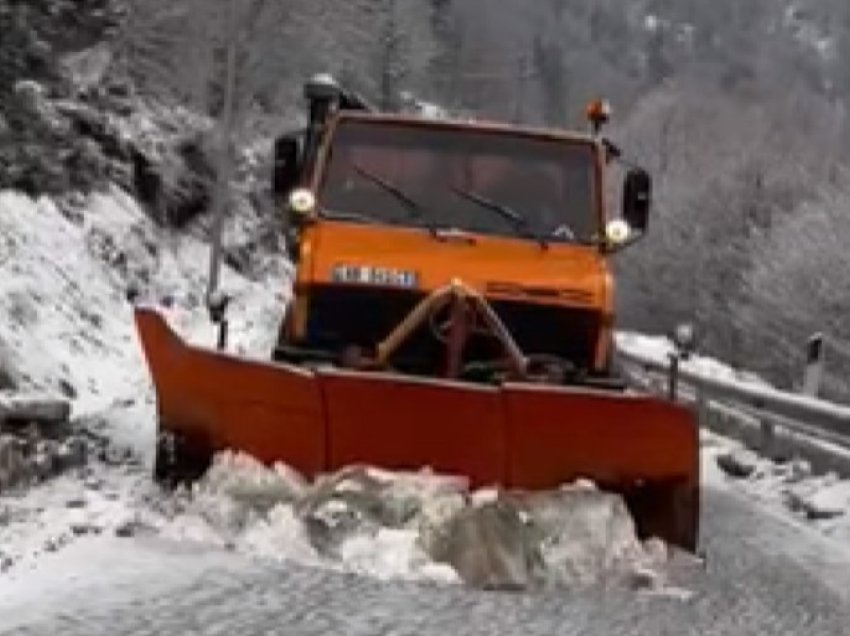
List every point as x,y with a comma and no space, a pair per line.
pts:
42,409
739,463
825,498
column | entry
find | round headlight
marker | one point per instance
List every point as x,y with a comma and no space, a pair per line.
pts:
617,231
302,201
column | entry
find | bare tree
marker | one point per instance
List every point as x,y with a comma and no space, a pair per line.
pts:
386,46
214,57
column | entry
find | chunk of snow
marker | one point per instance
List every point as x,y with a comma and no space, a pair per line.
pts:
739,463
821,501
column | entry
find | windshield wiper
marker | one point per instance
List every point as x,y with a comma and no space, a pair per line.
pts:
414,209
349,216
520,222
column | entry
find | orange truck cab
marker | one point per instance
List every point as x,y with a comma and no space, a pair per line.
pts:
384,209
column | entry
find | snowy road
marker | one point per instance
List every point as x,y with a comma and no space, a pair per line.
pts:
765,576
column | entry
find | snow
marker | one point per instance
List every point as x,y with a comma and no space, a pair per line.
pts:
386,525
790,489
104,568
659,348
413,526
48,517
66,325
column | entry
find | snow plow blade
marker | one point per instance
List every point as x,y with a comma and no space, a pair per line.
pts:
516,435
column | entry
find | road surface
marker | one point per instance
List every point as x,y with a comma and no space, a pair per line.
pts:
764,576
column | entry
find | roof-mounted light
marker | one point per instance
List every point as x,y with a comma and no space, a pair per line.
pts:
598,113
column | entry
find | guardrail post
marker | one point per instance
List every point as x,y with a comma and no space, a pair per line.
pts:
767,442
673,376
814,365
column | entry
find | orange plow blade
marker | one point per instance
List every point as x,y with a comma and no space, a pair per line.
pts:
519,435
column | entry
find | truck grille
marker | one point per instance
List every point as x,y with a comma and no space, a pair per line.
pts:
341,315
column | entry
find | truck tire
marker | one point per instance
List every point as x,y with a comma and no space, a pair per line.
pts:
175,463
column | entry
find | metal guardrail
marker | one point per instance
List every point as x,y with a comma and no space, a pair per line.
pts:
800,413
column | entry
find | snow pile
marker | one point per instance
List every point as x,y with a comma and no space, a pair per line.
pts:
416,526
819,501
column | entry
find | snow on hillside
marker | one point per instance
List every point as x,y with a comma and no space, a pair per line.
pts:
66,328
66,324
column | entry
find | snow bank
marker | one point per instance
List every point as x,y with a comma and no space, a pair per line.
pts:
390,526
416,526
659,348
66,324
791,488
85,502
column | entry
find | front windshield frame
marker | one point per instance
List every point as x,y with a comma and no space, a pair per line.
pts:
595,174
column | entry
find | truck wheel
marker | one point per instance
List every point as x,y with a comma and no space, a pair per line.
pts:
175,463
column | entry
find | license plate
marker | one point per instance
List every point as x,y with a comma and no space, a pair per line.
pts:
369,275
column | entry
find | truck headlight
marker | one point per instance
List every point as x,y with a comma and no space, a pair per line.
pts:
617,231
302,201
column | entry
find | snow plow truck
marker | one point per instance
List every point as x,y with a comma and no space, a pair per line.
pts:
452,310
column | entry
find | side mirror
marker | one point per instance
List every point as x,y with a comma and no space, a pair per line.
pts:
286,170
637,198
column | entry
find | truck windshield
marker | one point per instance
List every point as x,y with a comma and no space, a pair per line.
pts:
550,184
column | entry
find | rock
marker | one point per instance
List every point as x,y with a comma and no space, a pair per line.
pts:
20,407
30,95
13,465
42,464
67,389
128,528
583,535
82,528
72,453
820,503
641,578
738,463
86,69
486,545
799,470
